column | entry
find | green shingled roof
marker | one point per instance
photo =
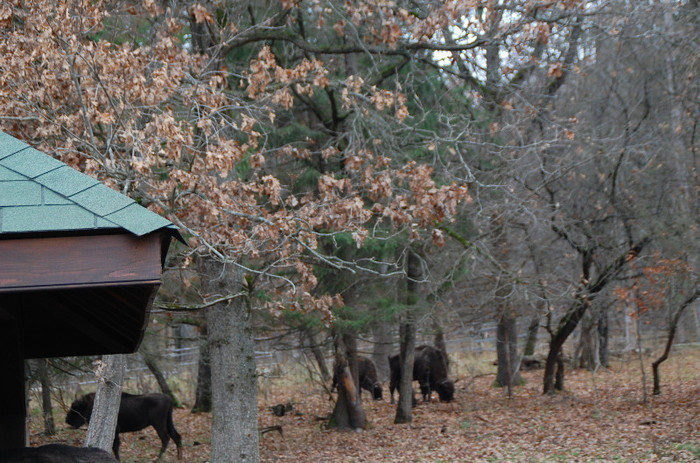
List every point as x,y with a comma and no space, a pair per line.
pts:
41,194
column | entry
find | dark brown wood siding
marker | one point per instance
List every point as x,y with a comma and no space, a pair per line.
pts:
79,261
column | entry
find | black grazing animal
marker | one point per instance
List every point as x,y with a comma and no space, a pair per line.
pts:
429,369
367,372
136,412
56,453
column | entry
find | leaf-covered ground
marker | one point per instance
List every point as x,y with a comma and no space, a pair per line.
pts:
598,418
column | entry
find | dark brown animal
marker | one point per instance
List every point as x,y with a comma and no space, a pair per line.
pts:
56,453
136,412
367,371
429,369
282,409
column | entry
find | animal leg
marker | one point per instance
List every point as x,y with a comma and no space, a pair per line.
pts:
162,431
115,445
172,432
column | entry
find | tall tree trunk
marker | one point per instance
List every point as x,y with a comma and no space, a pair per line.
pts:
103,422
566,327
603,337
407,331
382,349
350,342
586,355
47,409
234,433
202,400
507,351
629,328
348,412
559,375
672,325
531,341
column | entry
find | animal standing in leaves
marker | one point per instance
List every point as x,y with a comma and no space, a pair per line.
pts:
429,369
136,412
367,371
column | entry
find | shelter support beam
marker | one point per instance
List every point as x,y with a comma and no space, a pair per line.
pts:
13,416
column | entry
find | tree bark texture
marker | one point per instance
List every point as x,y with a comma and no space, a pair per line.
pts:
382,349
404,412
507,350
603,337
234,433
103,422
407,332
586,355
42,367
566,327
559,375
202,401
531,341
348,412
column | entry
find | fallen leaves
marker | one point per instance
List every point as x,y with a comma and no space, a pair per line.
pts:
603,420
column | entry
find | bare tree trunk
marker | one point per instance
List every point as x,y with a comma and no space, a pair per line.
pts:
382,349
348,412
664,356
234,432
559,375
350,342
202,401
531,341
567,326
603,338
586,351
508,363
507,351
103,422
672,325
640,356
47,408
407,332
629,326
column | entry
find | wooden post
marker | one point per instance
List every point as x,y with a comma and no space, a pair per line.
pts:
13,414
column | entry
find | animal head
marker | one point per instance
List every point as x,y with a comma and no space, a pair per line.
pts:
377,391
79,413
446,390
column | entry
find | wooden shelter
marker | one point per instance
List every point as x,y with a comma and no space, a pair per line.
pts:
80,265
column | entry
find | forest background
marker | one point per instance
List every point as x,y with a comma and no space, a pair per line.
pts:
381,170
